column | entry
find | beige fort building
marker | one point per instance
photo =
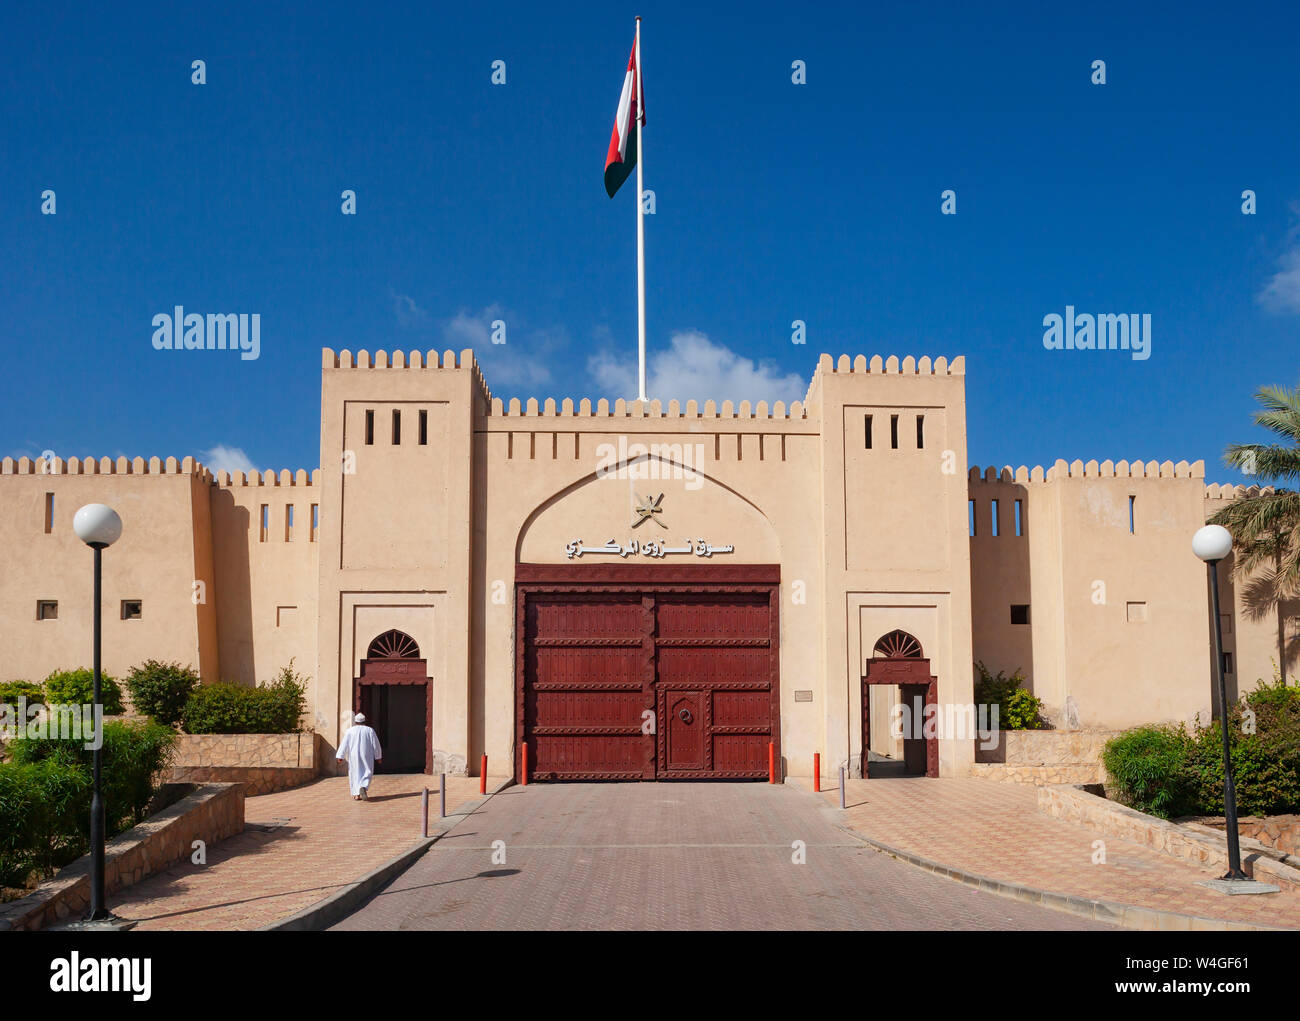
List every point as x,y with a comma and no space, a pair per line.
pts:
641,591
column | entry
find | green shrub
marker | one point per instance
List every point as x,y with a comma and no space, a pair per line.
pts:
1264,731
1018,708
272,708
77,687
41,825
135,756
161,690
1022,711
1150,769
12,691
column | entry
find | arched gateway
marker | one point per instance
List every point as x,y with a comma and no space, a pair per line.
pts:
652,655
395,692
898,658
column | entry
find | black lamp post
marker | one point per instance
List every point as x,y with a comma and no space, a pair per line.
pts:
1212,543
98,527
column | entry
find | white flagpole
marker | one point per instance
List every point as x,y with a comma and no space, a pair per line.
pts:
640,220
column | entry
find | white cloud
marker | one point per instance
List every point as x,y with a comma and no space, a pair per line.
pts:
524,360
695,368
227,459
1282,292
409,314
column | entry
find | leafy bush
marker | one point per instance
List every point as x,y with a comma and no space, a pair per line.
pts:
1149,767
1168,771
40,826
1021,711
45,793
1018,708
272,708
12,691
161,690
1264,731
77,687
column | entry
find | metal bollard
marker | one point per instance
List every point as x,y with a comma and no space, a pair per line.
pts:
817,772
442,797
482,776
424,813
841,786
771,762
523,764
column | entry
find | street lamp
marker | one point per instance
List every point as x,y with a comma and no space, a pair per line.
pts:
1212,543
98,527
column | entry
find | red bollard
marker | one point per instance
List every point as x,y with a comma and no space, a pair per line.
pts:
482,776
817,772
523,764
771,762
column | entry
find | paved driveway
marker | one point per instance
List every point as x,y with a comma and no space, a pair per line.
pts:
674,856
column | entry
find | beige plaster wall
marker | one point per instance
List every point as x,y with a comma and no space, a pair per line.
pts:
155,560
265,588
1117,628
869,539
396,530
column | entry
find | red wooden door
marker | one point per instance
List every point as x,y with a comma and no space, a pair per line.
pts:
585,689
654,680
719,648
685,731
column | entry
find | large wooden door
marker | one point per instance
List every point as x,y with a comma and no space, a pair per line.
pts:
584,666
643,674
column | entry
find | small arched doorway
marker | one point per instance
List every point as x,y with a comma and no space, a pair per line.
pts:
396,694
898,659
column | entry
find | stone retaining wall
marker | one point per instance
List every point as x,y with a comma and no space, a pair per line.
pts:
261,751
1046,747
1041,776
1200,844
1280,832
211,813
1044,757
263,763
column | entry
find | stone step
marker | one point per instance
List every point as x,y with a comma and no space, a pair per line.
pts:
1041,775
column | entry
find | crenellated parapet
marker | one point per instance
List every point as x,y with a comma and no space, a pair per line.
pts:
1091,470
103,466
427,360
1228,492
891,366
621,408
284,477
156,466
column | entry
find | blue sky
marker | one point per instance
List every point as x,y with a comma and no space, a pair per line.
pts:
775,202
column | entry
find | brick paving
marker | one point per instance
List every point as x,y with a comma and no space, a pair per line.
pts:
995,830
674,856
298,847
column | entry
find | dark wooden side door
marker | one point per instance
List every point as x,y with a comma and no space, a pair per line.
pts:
397,697
403,735
914,744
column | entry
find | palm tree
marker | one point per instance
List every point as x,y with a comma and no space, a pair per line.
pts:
1265,526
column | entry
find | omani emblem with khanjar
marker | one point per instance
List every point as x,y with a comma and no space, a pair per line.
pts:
647,509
